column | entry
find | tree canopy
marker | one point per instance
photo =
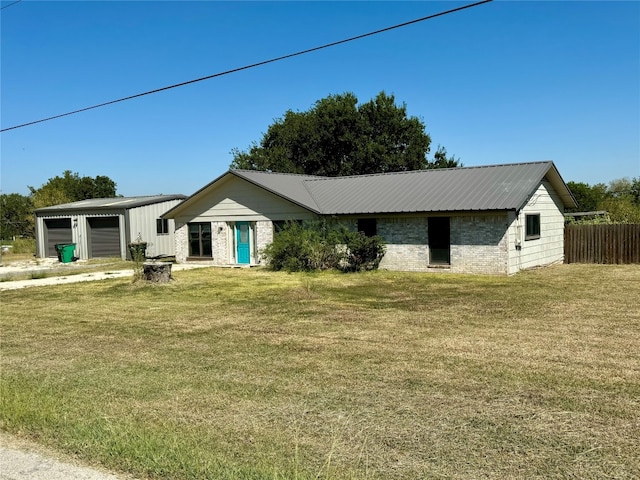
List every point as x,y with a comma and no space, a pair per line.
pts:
16,211
620,199
338,137
16,216
70,187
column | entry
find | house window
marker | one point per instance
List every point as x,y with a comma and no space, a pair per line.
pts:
368,226
533,226
162,226
200,240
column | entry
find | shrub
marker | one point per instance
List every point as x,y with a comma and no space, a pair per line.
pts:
362,252
23,245
322,245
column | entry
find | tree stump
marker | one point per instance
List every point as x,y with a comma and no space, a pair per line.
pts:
158,272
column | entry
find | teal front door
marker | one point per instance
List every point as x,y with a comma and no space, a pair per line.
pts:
243,254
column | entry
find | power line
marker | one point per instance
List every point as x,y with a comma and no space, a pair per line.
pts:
12,3
253,65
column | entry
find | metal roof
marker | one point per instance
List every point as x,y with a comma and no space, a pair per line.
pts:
293,187
111,203
493,187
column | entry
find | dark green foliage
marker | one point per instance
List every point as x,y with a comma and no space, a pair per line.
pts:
16,216
16,211
322,245
338,137
363,253
70,187
588,197
621,199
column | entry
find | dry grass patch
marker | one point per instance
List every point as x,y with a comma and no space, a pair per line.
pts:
255,374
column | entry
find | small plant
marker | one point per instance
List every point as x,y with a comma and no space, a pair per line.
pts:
138,251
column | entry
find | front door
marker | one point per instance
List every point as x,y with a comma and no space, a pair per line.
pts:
242,242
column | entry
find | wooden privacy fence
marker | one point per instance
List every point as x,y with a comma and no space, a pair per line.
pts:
602,244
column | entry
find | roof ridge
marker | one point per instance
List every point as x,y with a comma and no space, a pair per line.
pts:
428,170
245,170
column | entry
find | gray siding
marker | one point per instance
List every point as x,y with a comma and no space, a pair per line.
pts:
139,220
142,222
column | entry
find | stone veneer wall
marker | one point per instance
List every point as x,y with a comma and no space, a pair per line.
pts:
264,236
182,242
220,239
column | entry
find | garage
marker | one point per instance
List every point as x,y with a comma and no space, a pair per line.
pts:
103,227
104,237
57,230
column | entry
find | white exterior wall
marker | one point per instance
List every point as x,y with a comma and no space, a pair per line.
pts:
235,200
547,249
142,222
264,236
481,242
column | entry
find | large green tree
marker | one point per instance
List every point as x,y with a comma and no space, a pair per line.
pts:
338,137
16,211
588,197
16,216
70,187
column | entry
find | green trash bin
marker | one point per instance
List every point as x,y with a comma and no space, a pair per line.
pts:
65,252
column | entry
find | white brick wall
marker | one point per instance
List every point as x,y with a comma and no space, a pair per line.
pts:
264,236
182,242
220,238
478,244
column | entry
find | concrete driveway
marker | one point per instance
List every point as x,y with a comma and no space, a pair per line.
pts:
51,266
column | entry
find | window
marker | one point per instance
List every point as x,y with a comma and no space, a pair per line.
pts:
200,240
368,226
162,226
533,226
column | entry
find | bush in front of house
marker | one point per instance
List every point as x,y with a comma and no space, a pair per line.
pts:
362,252
322,245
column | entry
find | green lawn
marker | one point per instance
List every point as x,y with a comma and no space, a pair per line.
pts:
251,374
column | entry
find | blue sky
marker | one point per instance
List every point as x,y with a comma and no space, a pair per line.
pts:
499,83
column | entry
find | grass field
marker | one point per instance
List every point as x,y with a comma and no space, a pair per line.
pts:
251,374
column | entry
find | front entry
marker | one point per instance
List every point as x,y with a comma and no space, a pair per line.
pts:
243,248
439,241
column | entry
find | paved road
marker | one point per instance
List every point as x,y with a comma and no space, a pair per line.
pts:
19,465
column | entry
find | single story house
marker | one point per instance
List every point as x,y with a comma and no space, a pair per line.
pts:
103,227
495,219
